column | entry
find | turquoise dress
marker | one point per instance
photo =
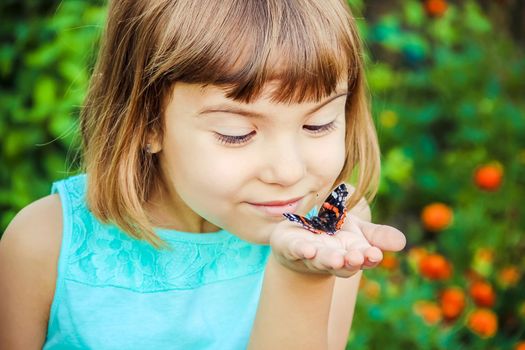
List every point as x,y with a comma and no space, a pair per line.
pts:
116,292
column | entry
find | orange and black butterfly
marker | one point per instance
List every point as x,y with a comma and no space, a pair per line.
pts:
331,216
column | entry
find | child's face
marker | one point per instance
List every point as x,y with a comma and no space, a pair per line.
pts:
269,152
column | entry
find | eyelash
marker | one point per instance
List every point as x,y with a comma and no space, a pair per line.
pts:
232,140
317,129
235,140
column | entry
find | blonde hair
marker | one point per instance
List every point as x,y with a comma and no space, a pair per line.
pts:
148,45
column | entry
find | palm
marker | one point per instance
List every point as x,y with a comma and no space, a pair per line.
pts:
356,246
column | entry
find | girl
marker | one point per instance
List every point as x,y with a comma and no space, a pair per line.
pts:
205,121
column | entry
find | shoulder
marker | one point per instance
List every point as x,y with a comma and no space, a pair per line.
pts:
36,228
29,251
33,237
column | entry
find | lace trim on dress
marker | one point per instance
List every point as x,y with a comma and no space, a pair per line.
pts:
103,255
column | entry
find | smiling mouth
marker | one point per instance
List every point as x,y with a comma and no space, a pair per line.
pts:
278,208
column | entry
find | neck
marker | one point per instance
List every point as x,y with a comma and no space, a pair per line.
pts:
165,209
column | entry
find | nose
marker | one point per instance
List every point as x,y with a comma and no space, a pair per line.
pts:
283,163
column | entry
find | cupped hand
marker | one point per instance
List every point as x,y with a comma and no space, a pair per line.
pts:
358,245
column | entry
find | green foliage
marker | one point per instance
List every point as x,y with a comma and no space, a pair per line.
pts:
44,70
448,98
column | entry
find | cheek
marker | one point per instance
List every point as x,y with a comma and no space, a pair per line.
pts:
327,157
199,169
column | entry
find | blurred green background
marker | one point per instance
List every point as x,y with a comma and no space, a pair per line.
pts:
447,80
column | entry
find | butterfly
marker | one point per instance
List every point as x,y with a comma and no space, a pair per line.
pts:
331,216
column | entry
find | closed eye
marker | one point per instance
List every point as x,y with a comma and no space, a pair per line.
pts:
233,140
317,129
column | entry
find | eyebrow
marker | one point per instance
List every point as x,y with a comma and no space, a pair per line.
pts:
225,108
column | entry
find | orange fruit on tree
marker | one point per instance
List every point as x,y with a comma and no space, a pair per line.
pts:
435,267
452,302
389,261
429,311
472,275
484,254
489,176
372,289
436,216
509,276
483,293
483,322
520,345
436,8
415,254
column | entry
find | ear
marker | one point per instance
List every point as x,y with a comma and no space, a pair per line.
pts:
153,139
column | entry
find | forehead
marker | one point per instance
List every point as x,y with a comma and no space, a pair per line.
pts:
202,96
269,92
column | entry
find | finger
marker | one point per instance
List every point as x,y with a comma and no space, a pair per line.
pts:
300,249
373,257
382,236
316,265
328,259
334,261
354,259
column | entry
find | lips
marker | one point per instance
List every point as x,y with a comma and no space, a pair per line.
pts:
278,208
278,203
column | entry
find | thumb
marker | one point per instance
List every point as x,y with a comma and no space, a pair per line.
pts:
384,237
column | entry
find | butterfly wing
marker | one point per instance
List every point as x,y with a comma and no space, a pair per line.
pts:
333,212
305,222
335,203
331,216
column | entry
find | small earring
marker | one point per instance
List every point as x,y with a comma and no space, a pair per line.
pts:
148,148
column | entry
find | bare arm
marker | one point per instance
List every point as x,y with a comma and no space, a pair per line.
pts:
305,311
342,311
345,295
28,253
293,310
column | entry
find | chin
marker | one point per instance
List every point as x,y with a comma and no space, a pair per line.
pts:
262,237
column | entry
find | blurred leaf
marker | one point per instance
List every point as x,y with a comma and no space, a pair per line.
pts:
474,20
44,56
45,91
381,77
397,166
7,55
414,13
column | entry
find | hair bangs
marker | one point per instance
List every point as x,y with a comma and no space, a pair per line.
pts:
305,47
